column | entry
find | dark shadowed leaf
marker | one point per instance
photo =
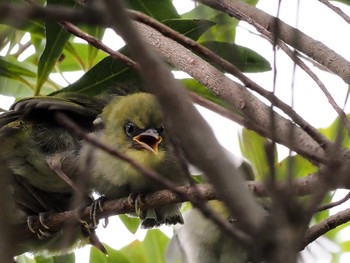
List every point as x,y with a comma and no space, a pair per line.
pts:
159,10
243,58
107,76
192,28
56,39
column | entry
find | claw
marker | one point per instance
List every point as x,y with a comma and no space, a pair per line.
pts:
137,200
96,206
41,220
30,224
40,233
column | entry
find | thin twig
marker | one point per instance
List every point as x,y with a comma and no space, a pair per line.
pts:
336,10
334,204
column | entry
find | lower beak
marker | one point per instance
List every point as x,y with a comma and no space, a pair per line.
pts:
149,140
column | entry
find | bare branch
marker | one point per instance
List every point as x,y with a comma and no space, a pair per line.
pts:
292,36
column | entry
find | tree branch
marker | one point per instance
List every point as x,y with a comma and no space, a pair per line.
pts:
290,35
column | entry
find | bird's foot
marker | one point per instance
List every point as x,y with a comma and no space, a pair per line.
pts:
94,208
137,199
40,233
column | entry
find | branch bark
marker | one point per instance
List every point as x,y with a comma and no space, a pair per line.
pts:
290,35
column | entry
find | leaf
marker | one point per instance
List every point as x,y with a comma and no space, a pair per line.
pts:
135,252
337,129
192,28
131,223
109,75
252,146
56,38
96,256
159,10
11,68
245,59
198,88
224,28
68,258
76,57
155,244
295,166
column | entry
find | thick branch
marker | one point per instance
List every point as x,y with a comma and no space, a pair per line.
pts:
292,36
253,109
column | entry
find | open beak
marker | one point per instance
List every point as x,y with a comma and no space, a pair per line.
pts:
149,140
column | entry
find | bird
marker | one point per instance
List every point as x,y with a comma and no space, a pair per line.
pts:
201,240
134,125
38,159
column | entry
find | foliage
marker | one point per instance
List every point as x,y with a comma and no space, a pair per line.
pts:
57,52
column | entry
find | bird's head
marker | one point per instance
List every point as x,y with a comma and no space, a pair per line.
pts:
134,124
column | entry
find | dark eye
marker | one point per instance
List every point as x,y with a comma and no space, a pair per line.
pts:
130,129
160,130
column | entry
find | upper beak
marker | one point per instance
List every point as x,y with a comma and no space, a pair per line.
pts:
149,139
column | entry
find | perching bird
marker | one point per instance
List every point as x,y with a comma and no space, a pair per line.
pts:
134,125
201,240
34,152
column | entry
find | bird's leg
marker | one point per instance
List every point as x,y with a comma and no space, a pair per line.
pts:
137,199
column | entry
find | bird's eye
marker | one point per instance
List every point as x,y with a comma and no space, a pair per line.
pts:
130,129
160,130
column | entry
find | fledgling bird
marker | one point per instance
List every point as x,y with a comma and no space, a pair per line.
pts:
134,125
34,147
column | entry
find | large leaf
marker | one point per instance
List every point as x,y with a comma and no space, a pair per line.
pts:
198,88
131,223
56,39
155,244
96,256
109,75
337,129
192,28
78,56
11,68
295,166
159,10
68,258
253,149
225,26
243,58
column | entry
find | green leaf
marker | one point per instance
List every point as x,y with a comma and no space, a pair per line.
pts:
252,146
135,252
159,10
225,26
295,166
192,28
24,259
131,223
335,129
96,256
155,244
347,2
243,58
11,68
76,56
56,39
109,75
68,258
198,88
